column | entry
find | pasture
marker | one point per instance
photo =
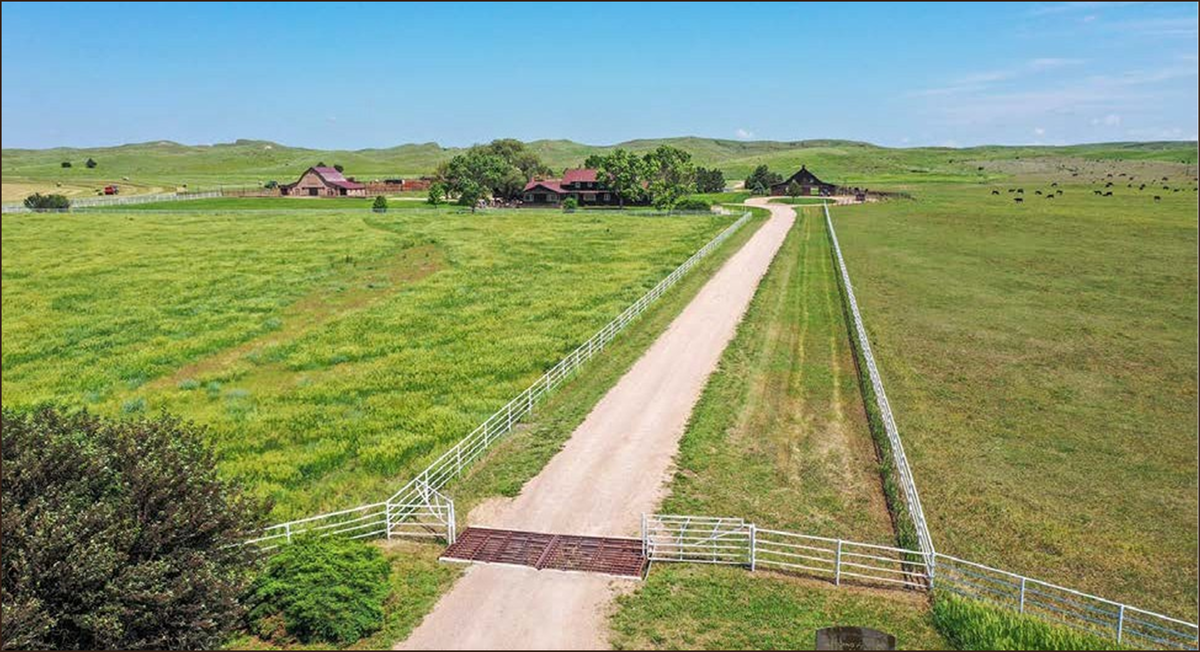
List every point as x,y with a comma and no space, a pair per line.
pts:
1041,362
331,353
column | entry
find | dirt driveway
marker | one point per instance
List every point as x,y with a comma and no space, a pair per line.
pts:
613,468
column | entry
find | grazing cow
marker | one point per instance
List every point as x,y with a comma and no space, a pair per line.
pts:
1097,192
1058,192
1108,185
1142,187
1049,196
1018,199
1157,198
1166,187
1012,189
1054,185
1108,194
1037,192
1020,191
995,192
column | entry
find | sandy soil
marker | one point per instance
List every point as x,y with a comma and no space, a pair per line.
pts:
614,468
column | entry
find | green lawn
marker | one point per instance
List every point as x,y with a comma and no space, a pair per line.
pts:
779,436
1041,362
332,354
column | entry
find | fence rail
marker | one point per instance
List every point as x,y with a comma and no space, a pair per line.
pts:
733,541
99,202
912,499
411,502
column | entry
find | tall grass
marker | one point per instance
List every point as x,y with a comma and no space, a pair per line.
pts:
973,625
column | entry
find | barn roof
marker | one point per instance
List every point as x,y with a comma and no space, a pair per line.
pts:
334,178
580,175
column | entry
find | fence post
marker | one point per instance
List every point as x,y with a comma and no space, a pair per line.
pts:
753,546
450,526
287,528
1022,610
645,551
837,565
387,518
1120,623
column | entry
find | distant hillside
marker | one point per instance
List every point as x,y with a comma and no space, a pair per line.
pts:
163,165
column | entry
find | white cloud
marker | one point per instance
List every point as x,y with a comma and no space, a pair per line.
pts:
1089,18
1039,131
1110,120
744,134
331,119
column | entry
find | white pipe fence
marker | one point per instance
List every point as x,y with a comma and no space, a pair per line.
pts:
912,499
412,501
735,542
99,202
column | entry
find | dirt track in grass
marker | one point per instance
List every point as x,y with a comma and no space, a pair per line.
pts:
614,468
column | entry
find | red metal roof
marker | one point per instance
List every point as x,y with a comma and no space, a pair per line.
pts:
335,178
579,175
553,185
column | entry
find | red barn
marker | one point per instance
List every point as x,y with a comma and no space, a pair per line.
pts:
323,182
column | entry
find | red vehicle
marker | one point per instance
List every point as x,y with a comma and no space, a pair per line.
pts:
111,190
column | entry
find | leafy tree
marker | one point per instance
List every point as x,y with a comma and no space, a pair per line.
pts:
91,163
38,201
518,155
762,178
470,193
671,176
624,172
326,590
501,167
118,534
380,205
66,164
709,180
321,164
338,167
594,161
437,193
270,185
570,204
794,189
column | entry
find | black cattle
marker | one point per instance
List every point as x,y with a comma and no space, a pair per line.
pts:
1058,192
1157,198
995,192
1049,196
1097,192
1054,185
1108,194
1037,192
1020,191
1018,199
1108,185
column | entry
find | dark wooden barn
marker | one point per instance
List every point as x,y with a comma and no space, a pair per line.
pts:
808,182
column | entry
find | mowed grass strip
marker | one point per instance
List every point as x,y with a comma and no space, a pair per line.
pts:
437,319
682,607
1041,362
779,436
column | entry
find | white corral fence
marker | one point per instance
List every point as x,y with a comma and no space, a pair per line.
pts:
735,542
100,202
415,506
732,541
912,499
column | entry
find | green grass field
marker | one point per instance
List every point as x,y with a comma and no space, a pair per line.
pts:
332,354
1041,362
165,166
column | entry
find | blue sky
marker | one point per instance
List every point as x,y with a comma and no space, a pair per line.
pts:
335,75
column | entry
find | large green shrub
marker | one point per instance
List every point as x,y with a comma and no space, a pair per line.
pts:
38,201
326,590
693,204
973,625
118,534
570,204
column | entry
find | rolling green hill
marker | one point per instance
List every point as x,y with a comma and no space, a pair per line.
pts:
166,165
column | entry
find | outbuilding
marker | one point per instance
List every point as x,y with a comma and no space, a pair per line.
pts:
323,182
